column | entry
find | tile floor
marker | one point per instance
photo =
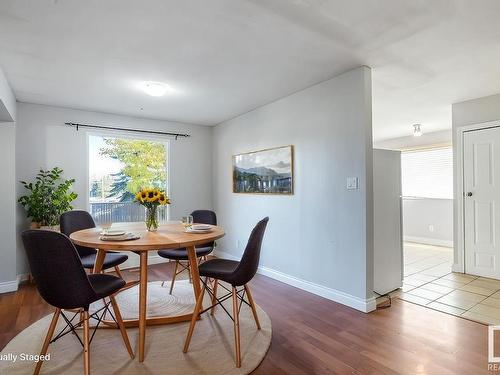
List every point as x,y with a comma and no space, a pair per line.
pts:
428,281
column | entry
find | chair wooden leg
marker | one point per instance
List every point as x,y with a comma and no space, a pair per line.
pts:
196,313
99,261
252,305
48,337
86,338
118,272
236,320
173,278
119,321
163,282
214,296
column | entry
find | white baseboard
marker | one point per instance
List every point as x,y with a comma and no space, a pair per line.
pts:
429,241
9,286
132,262
364,305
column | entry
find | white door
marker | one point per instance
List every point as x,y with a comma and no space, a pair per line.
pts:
482,202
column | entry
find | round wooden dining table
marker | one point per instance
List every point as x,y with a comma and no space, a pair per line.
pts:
170,235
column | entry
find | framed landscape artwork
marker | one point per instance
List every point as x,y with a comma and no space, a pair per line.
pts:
267,171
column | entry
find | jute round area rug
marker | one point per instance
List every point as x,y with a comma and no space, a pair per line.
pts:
211,350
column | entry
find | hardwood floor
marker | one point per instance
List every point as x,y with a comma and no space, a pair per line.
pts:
312,335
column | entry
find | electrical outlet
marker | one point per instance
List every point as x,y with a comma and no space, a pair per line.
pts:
238,244
431,228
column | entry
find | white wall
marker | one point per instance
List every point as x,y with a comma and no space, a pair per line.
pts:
7,100
8,280
429,221
465,113
8,206
43,141
476,111
321,238
388,243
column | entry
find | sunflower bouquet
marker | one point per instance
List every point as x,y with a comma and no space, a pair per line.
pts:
151,199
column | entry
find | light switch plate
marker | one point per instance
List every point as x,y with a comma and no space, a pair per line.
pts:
352,183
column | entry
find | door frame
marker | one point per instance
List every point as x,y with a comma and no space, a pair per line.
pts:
459,195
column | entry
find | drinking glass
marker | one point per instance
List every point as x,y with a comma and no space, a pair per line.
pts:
105,226
187,221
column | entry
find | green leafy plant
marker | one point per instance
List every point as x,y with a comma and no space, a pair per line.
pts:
49,196
143,166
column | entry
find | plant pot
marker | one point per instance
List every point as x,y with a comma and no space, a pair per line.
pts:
35,225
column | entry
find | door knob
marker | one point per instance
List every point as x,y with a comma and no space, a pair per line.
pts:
469,194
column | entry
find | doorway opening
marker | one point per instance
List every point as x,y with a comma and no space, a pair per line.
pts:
427,203
427,189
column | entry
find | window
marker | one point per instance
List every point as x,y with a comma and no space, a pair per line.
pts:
118,168
427,173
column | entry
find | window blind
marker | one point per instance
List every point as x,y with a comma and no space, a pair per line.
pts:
427,173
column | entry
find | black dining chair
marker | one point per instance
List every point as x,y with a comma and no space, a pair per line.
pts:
63,283
236,274
181,255
76,220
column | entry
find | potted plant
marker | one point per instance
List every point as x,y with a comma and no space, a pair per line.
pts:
49,196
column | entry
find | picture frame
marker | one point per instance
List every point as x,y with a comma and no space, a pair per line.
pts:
267,171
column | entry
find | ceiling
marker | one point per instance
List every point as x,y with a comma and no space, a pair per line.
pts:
226,57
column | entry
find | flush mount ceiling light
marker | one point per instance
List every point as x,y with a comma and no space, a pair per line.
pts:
417,132
155,88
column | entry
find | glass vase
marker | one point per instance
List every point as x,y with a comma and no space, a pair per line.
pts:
152,218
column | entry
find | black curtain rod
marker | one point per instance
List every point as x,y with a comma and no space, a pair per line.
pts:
77,126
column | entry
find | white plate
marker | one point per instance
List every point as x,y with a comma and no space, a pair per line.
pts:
124,237
113,233
190,230
201,227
